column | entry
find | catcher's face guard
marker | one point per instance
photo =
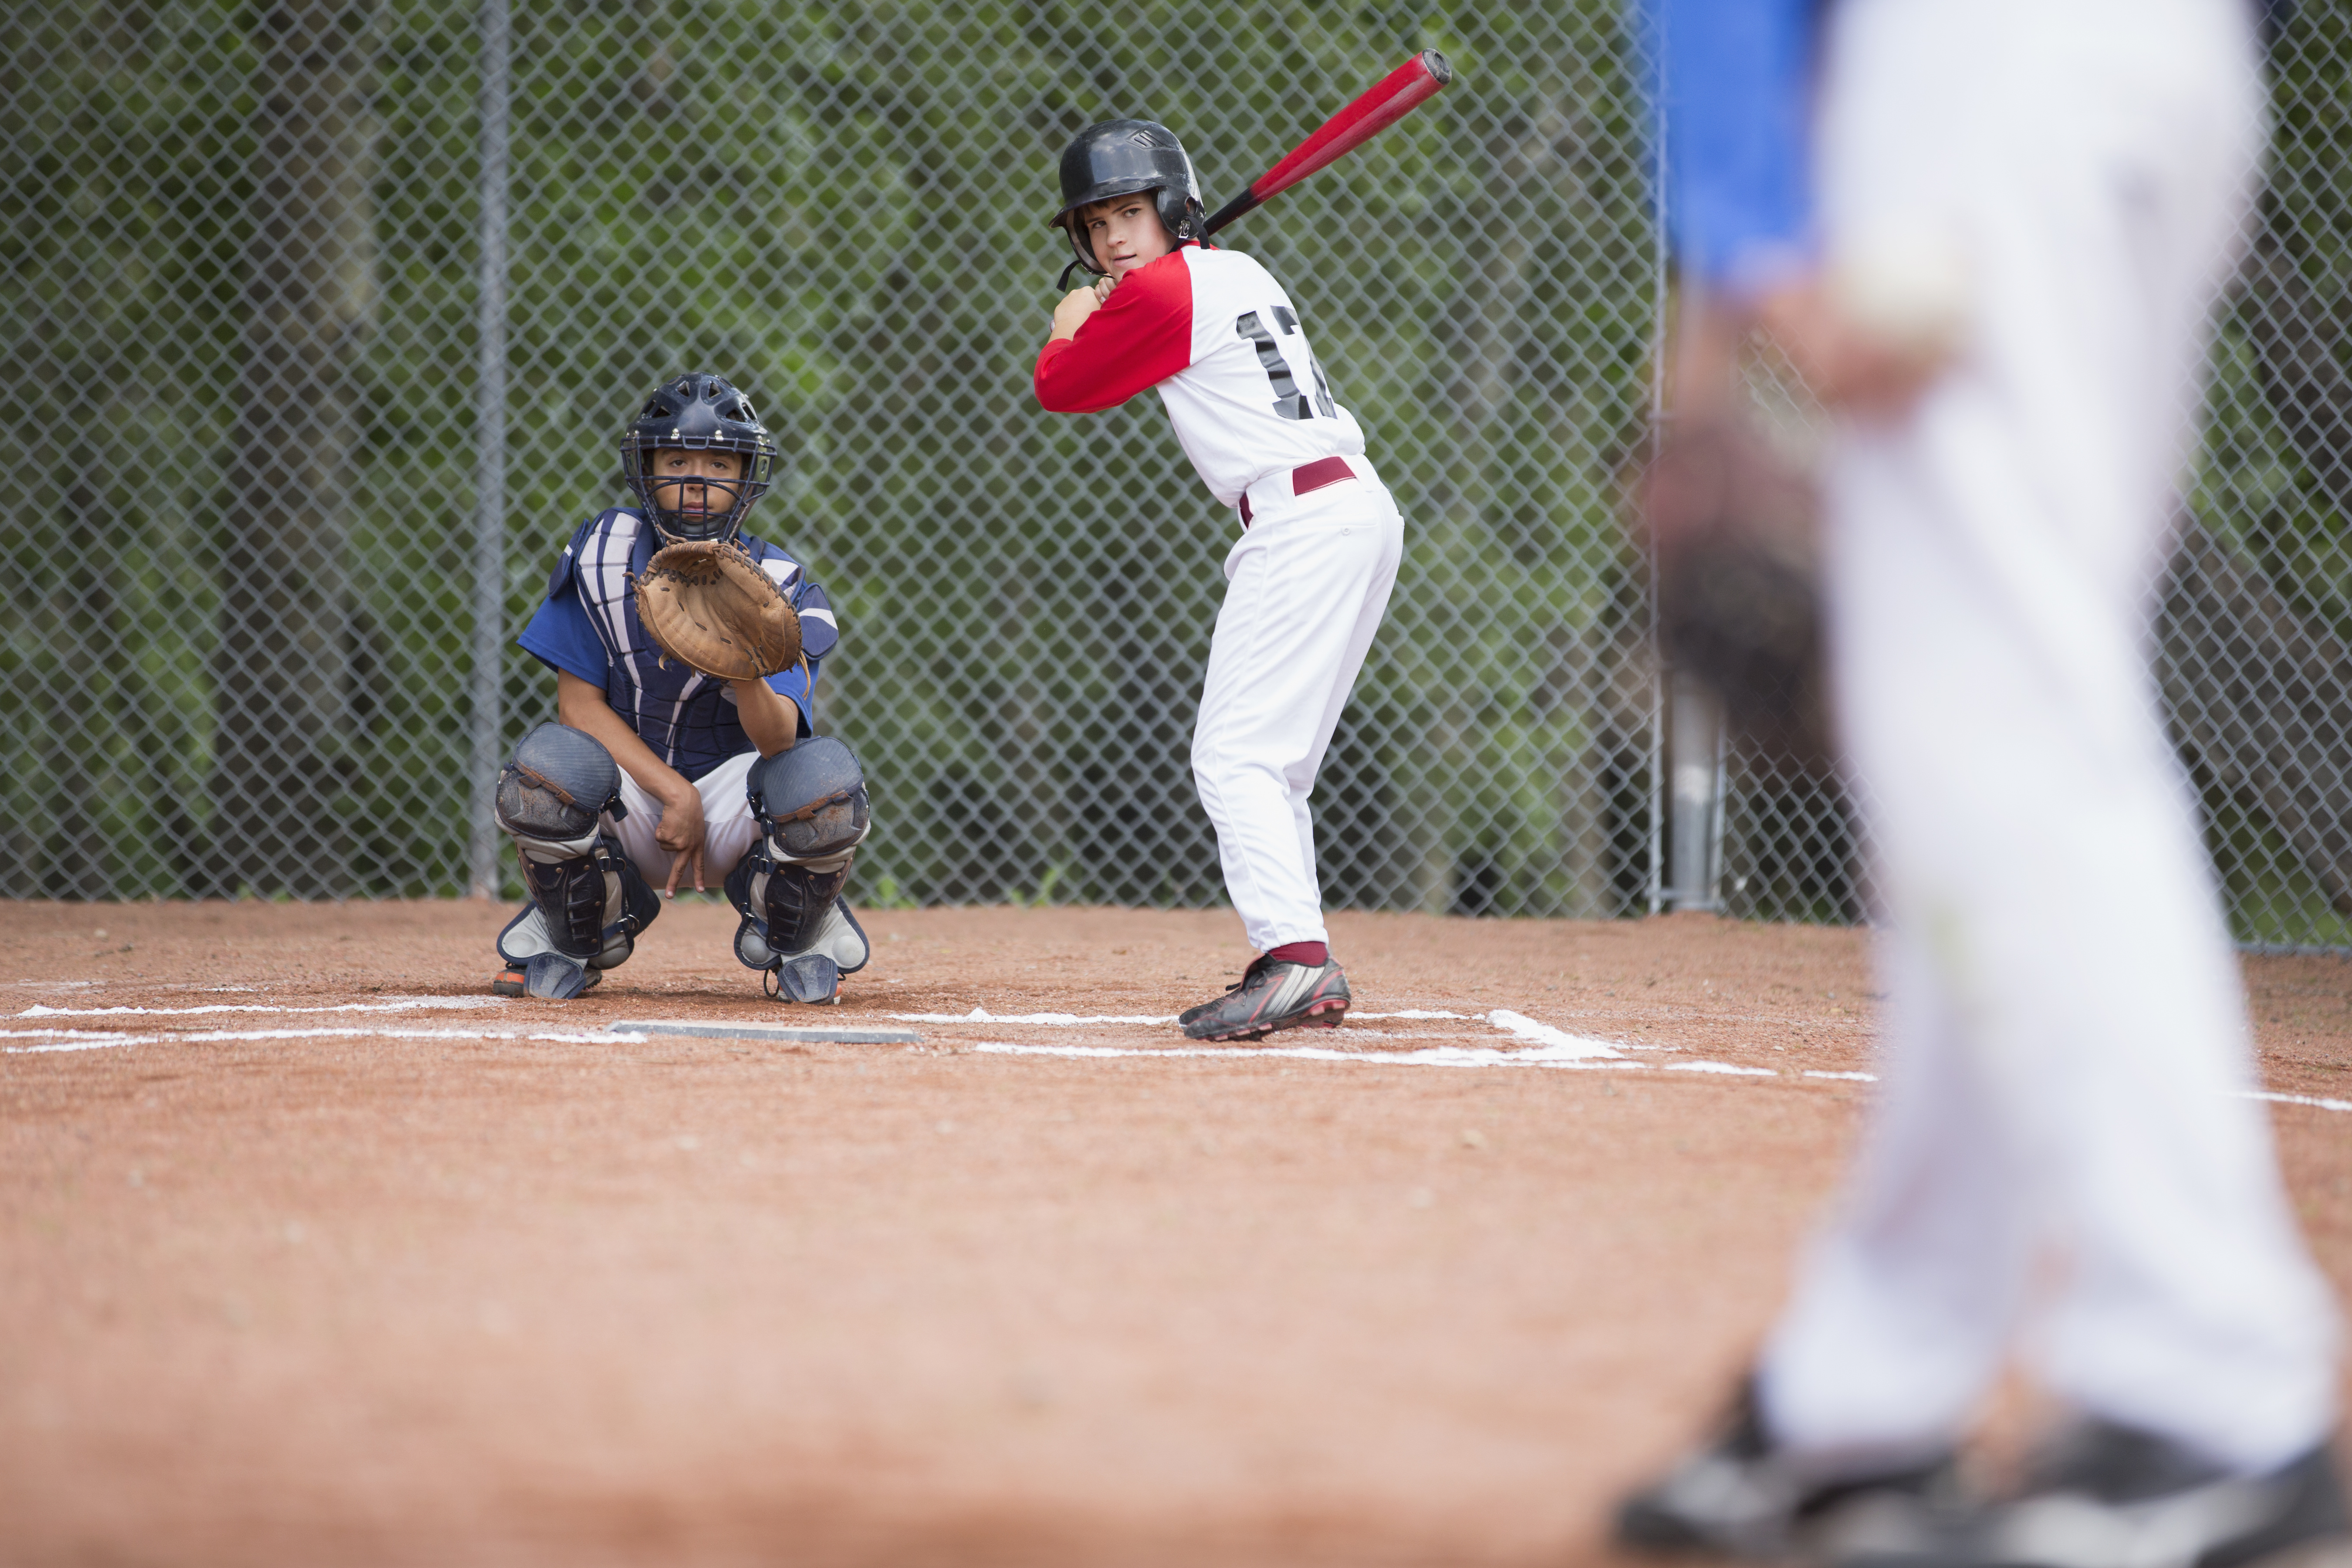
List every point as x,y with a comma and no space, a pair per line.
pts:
699,413
1120,158
707,484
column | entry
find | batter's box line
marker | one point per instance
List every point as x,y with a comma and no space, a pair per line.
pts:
105,1040
1559,1043
386,1004
1434,1056
1075,1020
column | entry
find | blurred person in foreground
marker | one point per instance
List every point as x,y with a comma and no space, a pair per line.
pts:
1990,234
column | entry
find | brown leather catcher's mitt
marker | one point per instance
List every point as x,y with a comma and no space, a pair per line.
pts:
707,605
1731,528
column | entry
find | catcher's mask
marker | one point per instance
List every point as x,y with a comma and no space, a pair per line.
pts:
1118,158
699,413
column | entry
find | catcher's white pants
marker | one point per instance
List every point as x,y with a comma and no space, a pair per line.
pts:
2059,1143
729,829
1306,587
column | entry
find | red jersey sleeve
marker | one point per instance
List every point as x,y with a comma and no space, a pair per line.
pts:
1140,337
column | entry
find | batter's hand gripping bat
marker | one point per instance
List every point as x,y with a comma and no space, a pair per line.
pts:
1390,99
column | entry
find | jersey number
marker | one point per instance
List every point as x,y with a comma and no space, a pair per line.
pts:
1289,401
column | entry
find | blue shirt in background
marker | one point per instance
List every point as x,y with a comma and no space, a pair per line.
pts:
1731,96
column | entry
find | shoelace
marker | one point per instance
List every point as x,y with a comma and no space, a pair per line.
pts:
1256,964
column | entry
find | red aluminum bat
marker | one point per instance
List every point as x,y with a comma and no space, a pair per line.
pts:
1396,95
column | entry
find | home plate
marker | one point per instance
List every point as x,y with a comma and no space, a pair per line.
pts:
819,1035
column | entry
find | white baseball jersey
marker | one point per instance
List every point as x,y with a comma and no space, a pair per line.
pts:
1216,334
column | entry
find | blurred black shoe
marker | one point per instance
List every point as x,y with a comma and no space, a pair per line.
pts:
1738,1495
2106,1496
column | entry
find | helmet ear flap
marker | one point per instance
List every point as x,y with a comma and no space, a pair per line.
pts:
1180,213
1080,246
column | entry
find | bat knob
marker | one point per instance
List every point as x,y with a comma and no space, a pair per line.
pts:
1435,63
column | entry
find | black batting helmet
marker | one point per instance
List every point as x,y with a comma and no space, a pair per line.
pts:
699,413
1118,158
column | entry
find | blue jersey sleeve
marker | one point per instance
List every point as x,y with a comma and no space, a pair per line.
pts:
561,635
1730,85
794,686
820,634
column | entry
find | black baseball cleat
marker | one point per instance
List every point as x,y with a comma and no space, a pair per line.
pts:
2109,1496
1271,995
554,974
1741,1495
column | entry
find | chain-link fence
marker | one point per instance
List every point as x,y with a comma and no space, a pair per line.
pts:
252,249
2253,628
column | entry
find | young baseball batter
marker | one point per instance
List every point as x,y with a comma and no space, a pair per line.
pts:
1310,577
658,774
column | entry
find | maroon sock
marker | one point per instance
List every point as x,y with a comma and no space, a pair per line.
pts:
1314,954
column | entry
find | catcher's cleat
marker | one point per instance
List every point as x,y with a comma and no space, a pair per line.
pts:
2108,1496
554,973
1271,995
812,977
1740,1495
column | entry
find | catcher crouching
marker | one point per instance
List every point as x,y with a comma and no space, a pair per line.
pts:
685,655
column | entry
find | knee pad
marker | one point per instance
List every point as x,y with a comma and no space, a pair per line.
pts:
813,811
559,782
810,801
587,902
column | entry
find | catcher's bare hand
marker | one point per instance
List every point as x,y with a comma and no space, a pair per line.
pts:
682,831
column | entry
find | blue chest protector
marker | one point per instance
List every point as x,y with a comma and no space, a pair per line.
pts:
687,718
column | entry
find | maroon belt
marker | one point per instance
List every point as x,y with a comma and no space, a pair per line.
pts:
1309,477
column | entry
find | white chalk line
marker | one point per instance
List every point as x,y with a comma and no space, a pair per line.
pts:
1502,1018
1549,1038
1556,1049
388,1004
1432,1056
2312,1100
1073,1020
1546,1046
105,1040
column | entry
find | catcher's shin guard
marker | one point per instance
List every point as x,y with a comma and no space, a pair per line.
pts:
587,902
813,811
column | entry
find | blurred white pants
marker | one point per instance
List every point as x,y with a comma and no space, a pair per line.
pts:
1306,587
2059,1149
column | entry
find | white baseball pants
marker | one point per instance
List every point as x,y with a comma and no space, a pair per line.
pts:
2059,1147
1306,587
729,829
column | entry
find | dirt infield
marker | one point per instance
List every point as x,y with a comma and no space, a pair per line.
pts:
361,1266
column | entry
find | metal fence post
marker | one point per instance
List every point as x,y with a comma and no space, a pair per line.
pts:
491,458
1695,766
1662,338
